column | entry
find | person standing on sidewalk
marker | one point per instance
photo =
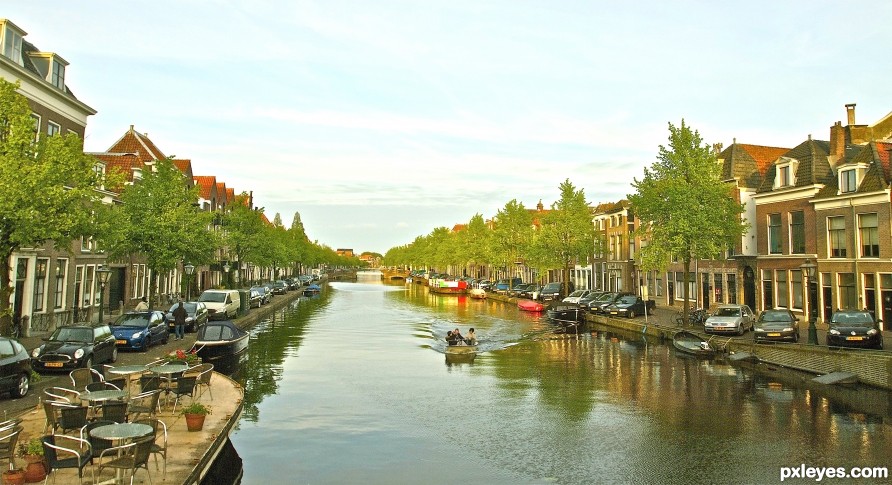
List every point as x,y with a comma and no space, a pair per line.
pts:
179,320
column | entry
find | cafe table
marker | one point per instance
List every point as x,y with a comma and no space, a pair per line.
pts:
127,371
168,371
94,397
120,433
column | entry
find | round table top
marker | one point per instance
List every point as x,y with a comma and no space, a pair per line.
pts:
124,370
168,368
104,395
121,431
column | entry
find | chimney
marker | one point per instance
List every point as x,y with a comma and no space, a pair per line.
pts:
539,206
850,113
837,141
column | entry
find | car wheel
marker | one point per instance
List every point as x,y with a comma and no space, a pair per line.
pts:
114,357
166,338
631,313
22,386
741,330
88,363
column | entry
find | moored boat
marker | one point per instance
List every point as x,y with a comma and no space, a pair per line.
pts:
446,287
530,306
566,313
477,293
312,290
220,339
691,343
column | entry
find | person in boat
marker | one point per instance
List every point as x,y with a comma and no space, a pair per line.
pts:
458,337
450,338
471,338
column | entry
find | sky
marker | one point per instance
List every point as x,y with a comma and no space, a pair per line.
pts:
378,121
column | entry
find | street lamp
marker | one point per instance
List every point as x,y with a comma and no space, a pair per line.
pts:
102,274
809,269
190,270
226,269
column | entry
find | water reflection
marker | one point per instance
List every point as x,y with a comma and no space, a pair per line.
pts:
353,387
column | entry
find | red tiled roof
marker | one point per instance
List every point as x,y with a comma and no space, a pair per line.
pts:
206,185
134,142
883,149
230,195
763,155
459,227
221,193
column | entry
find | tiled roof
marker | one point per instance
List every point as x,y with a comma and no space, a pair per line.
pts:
134,142
748,163
27,50
185,166
813,166
207,186
122,163
221,194
875,155
230,195
459,227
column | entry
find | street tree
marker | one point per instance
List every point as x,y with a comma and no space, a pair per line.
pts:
160,219
685,210
47,189
566,233
242,225
512,235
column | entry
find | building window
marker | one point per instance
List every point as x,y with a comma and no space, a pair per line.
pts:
797,232
848,180
59,293
36,119
796,288
40,284
717,288
774,234
848,298
783,175
867,230
767,290
732,288
836,226
12,45
58,79
52,128
782,295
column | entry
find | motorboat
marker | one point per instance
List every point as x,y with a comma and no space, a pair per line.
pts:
461,349
692,344
448,287
477,293
531,306
220,339
312,290
567,313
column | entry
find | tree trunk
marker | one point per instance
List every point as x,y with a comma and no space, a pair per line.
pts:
687,288
5,291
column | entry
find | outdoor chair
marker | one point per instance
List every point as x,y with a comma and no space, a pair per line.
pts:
9,424
62,451
131,456
53,411
203,381
62,394
71,418
145,403
114,411
102,386
81,377
185,387
149,382
10,436
160,431
96,444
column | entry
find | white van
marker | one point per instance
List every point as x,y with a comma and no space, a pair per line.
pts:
221,304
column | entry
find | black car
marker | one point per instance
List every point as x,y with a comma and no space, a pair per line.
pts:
776,325
600,304
265,294
517,290
586,300
140,330
15,368
552,292
531,292
196,315
255,299
630,306
854,328
74,346
279,287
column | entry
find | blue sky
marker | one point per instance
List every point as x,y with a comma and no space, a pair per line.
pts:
379,121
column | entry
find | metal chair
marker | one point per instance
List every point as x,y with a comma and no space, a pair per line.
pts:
145,403
62,394
83,376
77,454
131,456
205,371
96,444
10,436
185,387
160,431
114,411
102,386
149,382
70,418
53,412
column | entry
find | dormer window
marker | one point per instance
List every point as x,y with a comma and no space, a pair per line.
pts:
786,173
848,180
58,74
12,42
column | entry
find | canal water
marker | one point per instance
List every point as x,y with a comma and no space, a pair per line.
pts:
353,386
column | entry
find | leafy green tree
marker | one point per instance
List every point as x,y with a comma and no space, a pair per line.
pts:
242,225
47,189
160,219
684,208
566,233
477,240
512,235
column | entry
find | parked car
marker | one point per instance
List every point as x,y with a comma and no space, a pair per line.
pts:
600,304
254,298
586,300
485,285
140,330
15,368
576,296
531,292
221,304
502,286
279,287
552,292
265,294
197,315
854,328
778,325
517,290
730,319
73,346
630,306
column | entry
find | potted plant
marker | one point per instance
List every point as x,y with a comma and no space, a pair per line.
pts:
14,476
32,452
195,414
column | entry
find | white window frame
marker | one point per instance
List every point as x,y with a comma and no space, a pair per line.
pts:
57,74
788,167
53,128
12,44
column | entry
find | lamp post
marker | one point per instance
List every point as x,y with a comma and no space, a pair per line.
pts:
809,269
226,269
102,274
190,270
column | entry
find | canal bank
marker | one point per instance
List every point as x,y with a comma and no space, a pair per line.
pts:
872,367
190,455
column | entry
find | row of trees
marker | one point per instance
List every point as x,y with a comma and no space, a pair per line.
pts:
51,193
689,210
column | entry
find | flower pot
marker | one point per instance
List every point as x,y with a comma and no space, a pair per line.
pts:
36,471
194,422
14,477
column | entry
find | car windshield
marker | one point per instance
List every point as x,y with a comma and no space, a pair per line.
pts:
136,320
258,289
776,317
858,319
213,297
189,306
607,297
73,334
628,299
552,287
728,312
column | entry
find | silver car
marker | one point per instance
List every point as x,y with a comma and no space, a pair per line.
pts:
730,319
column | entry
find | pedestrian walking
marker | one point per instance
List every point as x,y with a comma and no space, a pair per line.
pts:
179,320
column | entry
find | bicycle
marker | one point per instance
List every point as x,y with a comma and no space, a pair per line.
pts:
696,317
